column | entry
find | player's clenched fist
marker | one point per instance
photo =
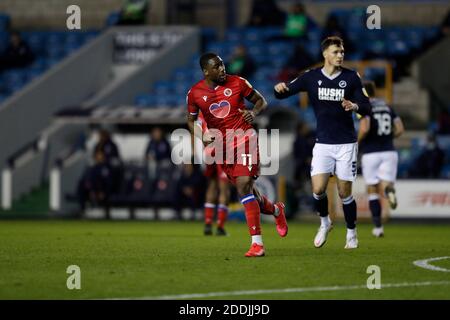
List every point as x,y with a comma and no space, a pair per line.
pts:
208,138
248,115
281,87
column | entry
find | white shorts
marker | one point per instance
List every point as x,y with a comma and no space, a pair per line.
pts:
337,159
379,166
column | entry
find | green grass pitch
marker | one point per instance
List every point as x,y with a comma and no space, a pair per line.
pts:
152,259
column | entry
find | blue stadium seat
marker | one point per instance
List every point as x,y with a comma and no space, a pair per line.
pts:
5,21
397,47
256,49
180,100
4,40
50,62
342,15
183,74
445,171
253,34
182,87
55,51
32,74
431,32
113,18
271,32
36,42
162,101
145,100
163,87
220,48
87,36
3,97
209,34
279,48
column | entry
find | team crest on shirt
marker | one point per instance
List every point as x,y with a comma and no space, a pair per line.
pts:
342,84
221,109
227,92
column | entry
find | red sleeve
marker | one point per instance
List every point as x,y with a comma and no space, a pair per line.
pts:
246,87
202,122
191,106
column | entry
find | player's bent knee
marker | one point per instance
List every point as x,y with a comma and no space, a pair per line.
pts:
319,191
345,194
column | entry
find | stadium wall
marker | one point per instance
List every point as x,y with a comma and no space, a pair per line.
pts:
412,12
51,14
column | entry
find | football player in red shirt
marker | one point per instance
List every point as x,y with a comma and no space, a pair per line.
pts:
220,98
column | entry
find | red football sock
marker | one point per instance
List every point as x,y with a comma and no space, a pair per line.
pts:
222,213
252,214
209,213
267,206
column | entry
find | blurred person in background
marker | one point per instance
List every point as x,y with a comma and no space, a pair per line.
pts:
380,159
189,192
158,152
334,28
303,146
300,60
95,185
111,154
134,12
428,164
266,13
17,55
296,23
241,64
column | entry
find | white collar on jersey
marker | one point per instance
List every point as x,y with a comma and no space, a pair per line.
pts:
334,76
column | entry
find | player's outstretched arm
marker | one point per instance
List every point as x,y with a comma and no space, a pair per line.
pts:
282,90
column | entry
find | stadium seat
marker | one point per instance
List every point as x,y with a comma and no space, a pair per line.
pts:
145,100
182,74
162,101
445,171
5,21
182,87
163,87
113,18
397,48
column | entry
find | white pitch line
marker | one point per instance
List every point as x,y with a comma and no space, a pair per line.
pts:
287,290
426,265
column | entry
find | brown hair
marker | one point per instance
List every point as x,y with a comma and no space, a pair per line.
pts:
329,41
370,87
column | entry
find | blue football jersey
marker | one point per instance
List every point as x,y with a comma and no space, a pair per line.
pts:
381,134
334,124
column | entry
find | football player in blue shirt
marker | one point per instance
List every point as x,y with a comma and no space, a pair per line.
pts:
380,159
335,93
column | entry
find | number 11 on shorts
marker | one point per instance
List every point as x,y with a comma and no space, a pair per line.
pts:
247,160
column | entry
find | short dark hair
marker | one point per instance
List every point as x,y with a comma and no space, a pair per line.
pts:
370,87
329,41
204,59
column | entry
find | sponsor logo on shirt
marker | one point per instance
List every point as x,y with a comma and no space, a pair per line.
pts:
227,92
221,109
331,94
